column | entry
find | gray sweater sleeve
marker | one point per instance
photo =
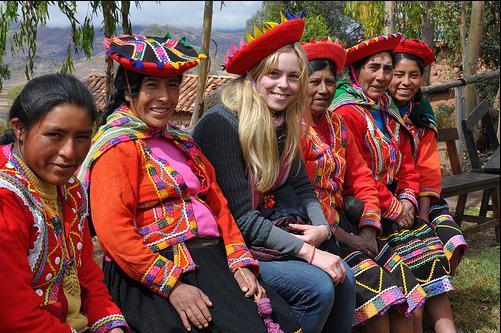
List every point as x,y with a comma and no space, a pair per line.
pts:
217,135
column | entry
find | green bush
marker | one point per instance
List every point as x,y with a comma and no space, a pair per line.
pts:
446,117
3,126
12,93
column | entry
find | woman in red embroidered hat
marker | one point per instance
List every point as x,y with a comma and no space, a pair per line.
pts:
410,58
175,258
252,139
49,281
339,173
385,144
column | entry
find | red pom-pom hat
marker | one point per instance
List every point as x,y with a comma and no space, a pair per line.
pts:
263,43
152,56
372,46
418,48
326,49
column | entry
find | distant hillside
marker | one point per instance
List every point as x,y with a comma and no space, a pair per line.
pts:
52,47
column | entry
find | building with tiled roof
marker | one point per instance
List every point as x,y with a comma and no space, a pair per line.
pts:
187,94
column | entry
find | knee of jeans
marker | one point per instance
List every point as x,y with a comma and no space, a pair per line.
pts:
323,290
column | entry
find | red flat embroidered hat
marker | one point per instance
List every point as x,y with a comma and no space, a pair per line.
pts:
418,48
326,49
263,43
372,46
152,56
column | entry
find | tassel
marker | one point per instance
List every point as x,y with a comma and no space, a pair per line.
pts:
264,309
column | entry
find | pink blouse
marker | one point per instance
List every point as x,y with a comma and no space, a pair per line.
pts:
206,221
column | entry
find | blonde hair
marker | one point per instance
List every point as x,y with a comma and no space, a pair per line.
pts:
256,129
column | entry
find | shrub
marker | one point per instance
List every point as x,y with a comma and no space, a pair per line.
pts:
446,116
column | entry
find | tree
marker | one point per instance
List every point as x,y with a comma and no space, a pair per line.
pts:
427,37
23,28
322,19
389,12
203,70
472,52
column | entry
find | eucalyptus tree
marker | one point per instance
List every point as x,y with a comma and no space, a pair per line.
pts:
22,19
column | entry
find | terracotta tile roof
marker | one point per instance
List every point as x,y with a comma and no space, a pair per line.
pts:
187,95
97,86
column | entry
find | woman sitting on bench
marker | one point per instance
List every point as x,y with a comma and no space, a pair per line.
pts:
410,58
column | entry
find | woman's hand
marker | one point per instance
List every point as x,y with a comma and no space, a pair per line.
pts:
368,235
312,234
406,217
424,208
191,304
328,262
248,283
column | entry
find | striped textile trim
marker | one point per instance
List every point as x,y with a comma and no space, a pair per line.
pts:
108,323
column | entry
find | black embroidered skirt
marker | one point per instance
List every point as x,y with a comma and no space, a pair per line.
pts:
232,312
447,229
381,282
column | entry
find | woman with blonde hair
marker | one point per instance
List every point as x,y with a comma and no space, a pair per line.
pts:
252,139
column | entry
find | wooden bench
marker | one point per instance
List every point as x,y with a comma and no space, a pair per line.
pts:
461,183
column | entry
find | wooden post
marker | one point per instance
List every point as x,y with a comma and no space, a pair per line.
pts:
203,70
389,17
460,105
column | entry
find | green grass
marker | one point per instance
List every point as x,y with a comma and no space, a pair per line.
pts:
3,126
14,91
475,300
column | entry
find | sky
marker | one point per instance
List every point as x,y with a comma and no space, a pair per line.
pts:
182,14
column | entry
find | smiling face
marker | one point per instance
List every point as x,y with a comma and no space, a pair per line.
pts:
406,81
321,89
375,75
55,146
280,86
156,101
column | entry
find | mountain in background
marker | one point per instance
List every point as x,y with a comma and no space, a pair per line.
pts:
52,46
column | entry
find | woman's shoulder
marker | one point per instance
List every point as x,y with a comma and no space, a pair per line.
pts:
218,118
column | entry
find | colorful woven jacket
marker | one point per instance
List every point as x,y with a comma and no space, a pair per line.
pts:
34,261
326,149
425,141
388,156
141,205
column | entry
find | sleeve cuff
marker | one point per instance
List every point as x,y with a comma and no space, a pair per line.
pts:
429,192
107,323
370,218
393,210
162,276
239,256
408,194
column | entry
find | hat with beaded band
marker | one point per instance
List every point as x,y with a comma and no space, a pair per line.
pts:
417,48
326,49
263,43
372,46
152,56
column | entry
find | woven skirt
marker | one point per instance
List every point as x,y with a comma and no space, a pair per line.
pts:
148,312
381,282
447,229
422,250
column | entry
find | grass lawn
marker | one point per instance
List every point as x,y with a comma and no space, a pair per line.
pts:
475,300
